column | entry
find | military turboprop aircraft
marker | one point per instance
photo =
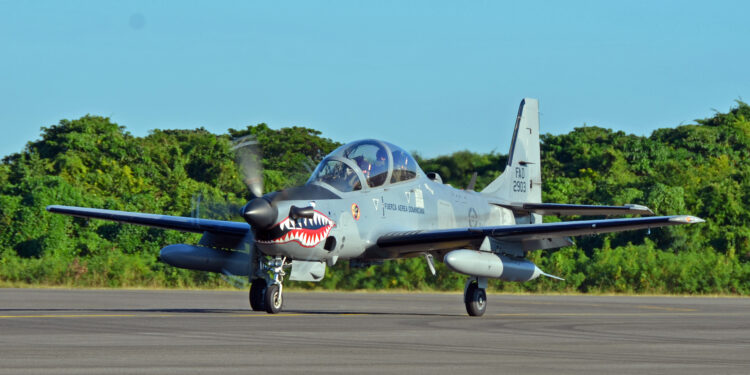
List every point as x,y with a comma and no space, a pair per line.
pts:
369,201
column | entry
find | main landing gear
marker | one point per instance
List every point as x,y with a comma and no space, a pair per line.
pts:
475,298
266,291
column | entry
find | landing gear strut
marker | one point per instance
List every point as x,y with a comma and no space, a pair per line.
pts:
475,297
266,290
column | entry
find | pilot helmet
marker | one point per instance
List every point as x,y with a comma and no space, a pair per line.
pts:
364,165
381,155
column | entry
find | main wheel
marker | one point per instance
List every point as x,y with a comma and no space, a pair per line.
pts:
476,300
273,299
257,294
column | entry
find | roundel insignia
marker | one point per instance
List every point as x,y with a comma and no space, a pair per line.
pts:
355,211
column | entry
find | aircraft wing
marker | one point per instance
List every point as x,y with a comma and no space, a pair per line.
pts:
531,236
576,209
184,224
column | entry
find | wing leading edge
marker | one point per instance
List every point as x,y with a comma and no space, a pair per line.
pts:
531,236
184,224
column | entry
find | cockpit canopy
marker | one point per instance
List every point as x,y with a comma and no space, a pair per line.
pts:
366,163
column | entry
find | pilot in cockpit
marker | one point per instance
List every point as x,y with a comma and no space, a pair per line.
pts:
364,166
379,168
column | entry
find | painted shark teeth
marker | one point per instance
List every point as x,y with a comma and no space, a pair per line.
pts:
304,237
308,232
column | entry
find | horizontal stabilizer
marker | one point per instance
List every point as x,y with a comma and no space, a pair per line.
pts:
576,209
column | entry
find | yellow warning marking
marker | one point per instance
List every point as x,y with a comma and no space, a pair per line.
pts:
676,313
650,307
301,314
56,316
260,314
69,316
665,308
666,312
144,315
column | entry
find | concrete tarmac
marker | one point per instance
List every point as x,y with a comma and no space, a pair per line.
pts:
58,331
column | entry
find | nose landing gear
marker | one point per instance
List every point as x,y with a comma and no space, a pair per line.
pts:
266,290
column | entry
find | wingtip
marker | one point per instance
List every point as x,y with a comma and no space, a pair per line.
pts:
687,219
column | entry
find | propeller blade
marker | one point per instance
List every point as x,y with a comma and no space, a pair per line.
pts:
250,161
211,207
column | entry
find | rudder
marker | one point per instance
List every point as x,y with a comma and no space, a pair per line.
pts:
521,182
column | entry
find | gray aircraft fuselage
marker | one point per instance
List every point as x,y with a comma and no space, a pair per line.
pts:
359,218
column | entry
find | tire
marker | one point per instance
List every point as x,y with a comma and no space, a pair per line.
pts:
273,300
475,299
257,295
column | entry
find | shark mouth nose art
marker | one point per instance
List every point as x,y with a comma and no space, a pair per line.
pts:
307,232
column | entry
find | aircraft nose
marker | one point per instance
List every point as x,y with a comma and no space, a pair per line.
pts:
260,213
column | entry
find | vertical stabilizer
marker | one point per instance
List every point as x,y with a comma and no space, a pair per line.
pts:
521,182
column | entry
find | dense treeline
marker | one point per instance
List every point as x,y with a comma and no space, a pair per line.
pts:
700,169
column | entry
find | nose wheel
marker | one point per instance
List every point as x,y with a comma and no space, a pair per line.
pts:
266,291
273,299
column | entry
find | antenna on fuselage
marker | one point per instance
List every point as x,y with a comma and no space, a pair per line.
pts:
472,182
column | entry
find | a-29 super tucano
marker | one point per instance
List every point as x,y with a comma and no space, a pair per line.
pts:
369,201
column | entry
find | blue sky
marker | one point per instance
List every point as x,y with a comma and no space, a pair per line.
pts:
432,76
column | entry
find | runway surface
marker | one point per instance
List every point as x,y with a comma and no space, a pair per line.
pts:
57,331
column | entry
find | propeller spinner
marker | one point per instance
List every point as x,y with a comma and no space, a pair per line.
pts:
260,213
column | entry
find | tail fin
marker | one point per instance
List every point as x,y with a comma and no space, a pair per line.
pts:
521,182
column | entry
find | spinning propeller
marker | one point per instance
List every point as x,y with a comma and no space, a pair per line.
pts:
261,211
247,153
